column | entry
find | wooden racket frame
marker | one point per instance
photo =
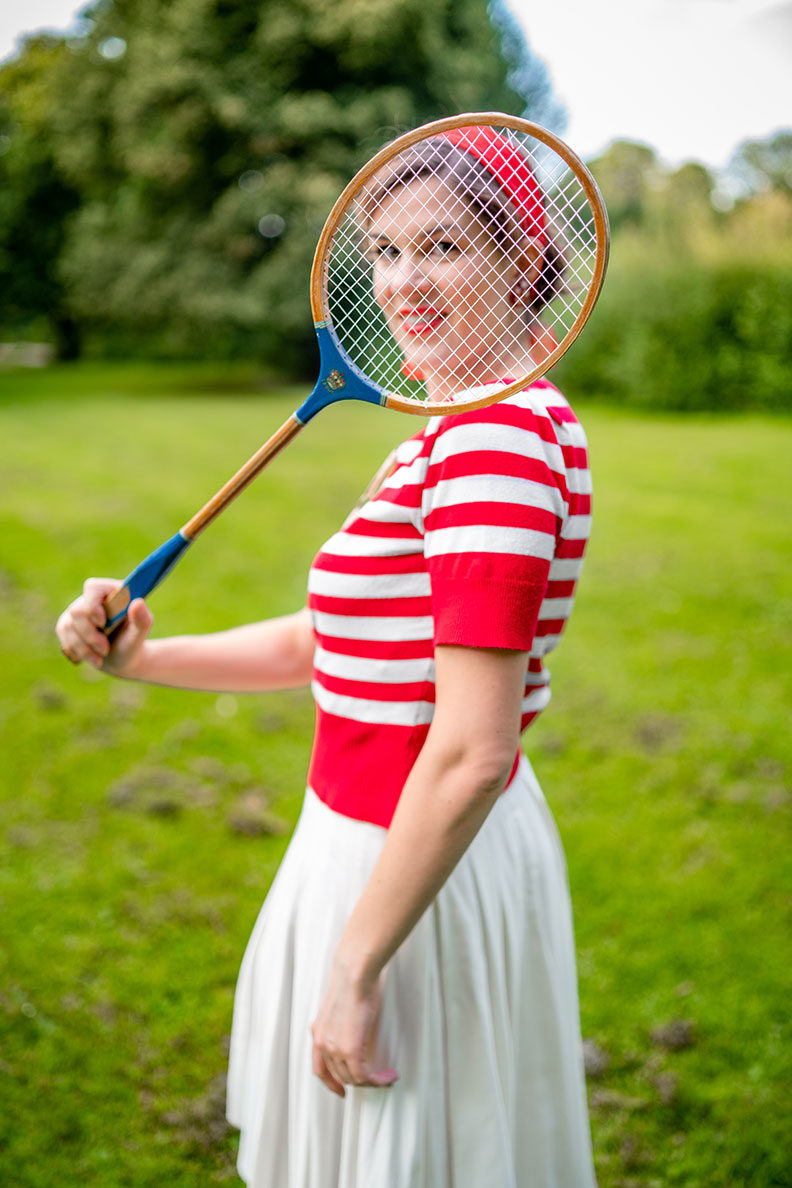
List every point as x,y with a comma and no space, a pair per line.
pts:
319,307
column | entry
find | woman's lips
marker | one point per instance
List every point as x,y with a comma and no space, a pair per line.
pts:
421,320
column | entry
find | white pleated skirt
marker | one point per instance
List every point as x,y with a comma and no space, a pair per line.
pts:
480,1018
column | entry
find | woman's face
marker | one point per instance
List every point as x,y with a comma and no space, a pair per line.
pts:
450,294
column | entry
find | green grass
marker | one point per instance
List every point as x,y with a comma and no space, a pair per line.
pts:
127,896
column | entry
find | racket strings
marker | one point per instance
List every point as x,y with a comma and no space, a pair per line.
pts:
468,311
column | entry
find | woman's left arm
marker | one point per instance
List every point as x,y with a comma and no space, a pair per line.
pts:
458,776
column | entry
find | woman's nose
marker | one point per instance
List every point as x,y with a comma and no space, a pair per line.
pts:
411,273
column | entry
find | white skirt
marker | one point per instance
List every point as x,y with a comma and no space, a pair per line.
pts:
480,1019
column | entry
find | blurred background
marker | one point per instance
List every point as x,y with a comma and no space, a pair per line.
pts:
165,169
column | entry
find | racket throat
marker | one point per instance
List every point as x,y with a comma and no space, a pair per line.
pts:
338,379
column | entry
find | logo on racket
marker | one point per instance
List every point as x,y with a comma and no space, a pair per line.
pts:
334,381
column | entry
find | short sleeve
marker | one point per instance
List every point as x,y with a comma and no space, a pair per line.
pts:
494,503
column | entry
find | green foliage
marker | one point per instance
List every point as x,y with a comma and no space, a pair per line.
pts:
686,335
208,140
760,165
696,311
35,200
165,174
528,74
128,889
627,174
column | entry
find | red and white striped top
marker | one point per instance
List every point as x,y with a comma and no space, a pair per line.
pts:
476,538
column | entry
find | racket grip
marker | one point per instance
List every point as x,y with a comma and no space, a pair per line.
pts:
141,581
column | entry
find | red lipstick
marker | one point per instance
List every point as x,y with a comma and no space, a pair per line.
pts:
420,319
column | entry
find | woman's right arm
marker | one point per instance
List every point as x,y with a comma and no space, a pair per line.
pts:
255,658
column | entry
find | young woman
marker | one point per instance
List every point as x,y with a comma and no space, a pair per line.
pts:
406,1014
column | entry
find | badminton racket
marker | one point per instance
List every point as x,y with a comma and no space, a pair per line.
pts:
454,270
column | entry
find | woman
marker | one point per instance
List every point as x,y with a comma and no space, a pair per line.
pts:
416,951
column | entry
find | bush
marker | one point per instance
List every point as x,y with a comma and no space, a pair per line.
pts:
688,334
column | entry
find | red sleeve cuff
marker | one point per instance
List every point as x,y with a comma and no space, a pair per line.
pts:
487,614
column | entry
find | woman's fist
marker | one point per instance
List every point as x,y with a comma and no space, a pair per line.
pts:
79,631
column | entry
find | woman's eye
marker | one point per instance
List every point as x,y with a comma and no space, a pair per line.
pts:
383,253
444,247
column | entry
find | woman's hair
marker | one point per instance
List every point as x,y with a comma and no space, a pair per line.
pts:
491,203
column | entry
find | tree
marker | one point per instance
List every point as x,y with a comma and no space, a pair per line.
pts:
207,140
760,165
627,174
35,201
691,187
528,75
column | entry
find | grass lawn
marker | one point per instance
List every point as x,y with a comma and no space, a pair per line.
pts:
142,826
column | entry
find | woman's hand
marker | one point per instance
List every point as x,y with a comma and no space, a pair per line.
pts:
81,638
345,1030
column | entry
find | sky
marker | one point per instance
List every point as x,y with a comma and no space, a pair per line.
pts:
692,78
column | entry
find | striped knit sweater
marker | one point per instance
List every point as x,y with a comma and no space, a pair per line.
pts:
475,538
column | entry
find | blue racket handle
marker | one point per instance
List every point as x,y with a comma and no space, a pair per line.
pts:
142,580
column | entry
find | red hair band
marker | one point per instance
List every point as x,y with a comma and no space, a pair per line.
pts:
509,168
